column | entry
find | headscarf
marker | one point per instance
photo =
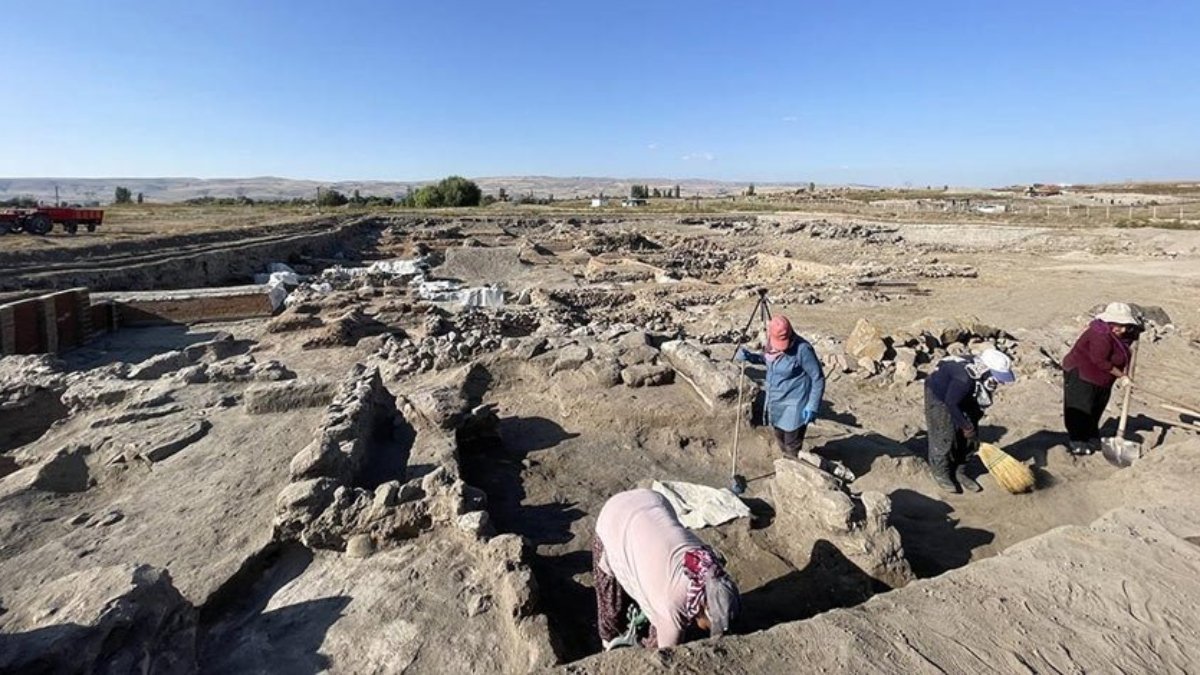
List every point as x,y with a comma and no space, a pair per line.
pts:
779,337
709,585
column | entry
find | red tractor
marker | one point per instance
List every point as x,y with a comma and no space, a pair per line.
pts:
41,220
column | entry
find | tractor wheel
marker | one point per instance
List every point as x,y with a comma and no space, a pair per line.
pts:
38,223
91,227
71,228
6,226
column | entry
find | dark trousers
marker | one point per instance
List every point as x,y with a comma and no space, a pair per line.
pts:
948,447
1083,406
790,442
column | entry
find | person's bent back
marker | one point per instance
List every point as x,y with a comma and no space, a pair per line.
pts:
644,555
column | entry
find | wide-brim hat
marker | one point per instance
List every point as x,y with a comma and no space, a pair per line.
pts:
1119,313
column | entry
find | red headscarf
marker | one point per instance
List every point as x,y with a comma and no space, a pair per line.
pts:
779,334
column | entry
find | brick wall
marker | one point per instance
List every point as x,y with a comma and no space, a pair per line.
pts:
46,324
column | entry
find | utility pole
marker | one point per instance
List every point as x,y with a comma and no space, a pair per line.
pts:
56,202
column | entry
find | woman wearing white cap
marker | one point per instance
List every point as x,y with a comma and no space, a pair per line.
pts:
1099,359
956,395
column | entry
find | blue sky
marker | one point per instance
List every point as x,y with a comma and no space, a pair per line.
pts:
966,93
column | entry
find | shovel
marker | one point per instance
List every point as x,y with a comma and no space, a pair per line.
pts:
1118,450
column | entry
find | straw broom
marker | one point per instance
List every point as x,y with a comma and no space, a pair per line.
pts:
1012,475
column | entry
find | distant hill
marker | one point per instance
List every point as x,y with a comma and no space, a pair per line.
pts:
180,189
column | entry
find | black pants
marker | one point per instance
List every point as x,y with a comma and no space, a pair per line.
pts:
790,442
1083,406
948,447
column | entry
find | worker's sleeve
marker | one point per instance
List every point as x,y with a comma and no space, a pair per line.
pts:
668,635
1099,352
755,357
956,392
812,368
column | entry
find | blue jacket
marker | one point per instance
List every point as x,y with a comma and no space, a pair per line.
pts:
795,383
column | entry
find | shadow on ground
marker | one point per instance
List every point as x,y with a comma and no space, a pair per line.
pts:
933,541
829,580
497,470
238,634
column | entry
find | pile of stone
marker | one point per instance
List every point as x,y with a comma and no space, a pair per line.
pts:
900,355
596,243
701,259
824,229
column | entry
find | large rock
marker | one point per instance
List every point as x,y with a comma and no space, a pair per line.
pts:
361,416
294,395
812,507
715,383
943,330
446,401
119,619
647,375
167,440
866,341
571,357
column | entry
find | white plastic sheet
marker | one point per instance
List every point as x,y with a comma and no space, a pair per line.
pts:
482,297
700,506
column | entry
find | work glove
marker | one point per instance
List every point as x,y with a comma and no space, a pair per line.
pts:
1124,381
807,417
742,354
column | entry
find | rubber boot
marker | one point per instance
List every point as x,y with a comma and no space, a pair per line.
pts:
939,470
969,484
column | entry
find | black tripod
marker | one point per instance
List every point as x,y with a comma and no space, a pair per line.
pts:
762,310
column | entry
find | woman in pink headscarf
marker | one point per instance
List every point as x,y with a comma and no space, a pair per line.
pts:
795,383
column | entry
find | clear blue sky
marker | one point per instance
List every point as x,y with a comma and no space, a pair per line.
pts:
881,92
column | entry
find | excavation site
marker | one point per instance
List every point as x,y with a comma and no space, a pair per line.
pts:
381,443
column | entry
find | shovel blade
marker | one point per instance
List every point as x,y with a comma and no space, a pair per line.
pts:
1120,452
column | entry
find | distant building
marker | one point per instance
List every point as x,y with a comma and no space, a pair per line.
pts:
633,201
599,202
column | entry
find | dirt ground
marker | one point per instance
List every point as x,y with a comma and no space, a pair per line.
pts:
589,303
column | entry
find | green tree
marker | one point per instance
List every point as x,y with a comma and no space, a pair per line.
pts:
141,198
427,197
677,192
656,193
458,191
750,190
331,197
502,195
812,187
122,195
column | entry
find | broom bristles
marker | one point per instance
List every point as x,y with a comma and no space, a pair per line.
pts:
1012,475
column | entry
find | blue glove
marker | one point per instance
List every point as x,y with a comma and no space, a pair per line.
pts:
807,417
742,354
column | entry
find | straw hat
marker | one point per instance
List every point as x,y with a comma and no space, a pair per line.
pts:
1119,313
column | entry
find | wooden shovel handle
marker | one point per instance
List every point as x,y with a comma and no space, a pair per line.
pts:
1128,390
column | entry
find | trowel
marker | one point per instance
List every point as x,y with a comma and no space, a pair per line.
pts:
1118,450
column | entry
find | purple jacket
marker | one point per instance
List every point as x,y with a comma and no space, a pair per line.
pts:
1096,353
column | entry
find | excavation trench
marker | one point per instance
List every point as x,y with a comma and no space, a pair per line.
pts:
547,482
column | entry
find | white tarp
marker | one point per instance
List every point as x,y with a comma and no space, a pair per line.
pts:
700,506
438,291
399,267
482,297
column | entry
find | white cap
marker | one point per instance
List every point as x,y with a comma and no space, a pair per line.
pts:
999,364
1119,313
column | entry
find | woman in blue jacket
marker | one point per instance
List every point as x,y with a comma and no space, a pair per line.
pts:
795,383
